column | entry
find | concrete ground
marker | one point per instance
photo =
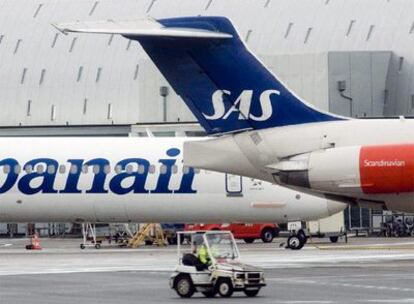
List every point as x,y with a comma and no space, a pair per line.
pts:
362,271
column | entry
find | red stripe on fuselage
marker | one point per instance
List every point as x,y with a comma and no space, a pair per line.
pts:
387,169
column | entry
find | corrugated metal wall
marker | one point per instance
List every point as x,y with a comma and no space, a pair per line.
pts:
48,78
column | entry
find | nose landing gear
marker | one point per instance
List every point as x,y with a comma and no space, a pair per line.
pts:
297,240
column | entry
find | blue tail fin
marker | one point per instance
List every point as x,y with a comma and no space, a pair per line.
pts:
225,86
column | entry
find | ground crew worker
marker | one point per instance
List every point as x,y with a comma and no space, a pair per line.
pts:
203,257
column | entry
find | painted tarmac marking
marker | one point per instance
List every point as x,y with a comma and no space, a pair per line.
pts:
290,281
401,300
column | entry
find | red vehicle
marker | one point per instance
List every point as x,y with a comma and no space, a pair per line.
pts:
247,232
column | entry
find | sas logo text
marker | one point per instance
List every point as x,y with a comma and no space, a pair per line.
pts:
242,105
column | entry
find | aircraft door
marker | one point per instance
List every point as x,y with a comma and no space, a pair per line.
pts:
234,185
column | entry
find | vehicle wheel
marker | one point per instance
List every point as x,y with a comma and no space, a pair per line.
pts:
248,241
184,286
388,232
97,246
295,243
82,246
172,240
209,294
252,293
148,242
302,236
333,239
396,233
225,288
267,235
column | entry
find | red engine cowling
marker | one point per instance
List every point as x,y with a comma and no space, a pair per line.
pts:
387,169
382,169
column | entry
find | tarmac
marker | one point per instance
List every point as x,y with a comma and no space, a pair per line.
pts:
366,270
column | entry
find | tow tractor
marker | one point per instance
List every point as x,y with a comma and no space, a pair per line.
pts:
223,274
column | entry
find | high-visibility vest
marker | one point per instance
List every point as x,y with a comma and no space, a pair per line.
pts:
203,255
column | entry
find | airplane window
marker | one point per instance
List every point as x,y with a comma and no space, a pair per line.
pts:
96,169
6,169
62,169
186,170
141,169
17,169
51,169
118,169
107,169
152,169
73,169
40,169
174,169
163,169
129,169
84,169
28,169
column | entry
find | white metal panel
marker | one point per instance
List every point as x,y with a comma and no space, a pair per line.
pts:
392,21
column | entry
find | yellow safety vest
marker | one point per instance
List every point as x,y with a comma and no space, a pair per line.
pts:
203,255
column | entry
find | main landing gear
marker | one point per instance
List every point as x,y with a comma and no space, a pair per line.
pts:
297,240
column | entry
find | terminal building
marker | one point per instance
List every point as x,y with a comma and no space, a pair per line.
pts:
350,57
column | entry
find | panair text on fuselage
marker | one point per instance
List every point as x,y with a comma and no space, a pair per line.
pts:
121,180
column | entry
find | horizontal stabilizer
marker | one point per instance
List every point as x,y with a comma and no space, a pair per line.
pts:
138,28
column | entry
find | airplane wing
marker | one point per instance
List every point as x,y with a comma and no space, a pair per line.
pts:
138,28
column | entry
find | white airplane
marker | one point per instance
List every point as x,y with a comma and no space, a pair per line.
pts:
268,132
134,180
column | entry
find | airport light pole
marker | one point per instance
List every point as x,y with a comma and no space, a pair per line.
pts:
164,93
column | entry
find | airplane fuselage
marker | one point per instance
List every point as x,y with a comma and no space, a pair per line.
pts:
370,160
134,180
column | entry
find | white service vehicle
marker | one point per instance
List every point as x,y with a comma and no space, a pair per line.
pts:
332,227
225,273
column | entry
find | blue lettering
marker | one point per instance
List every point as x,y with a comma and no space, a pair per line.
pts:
139,178
186,185
11,175
99,176
73,176
42,181
165,177
48,178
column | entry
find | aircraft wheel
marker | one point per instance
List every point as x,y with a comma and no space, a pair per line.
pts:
333,239
294,242
184,286
82,246
267,235
252,293
225,288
